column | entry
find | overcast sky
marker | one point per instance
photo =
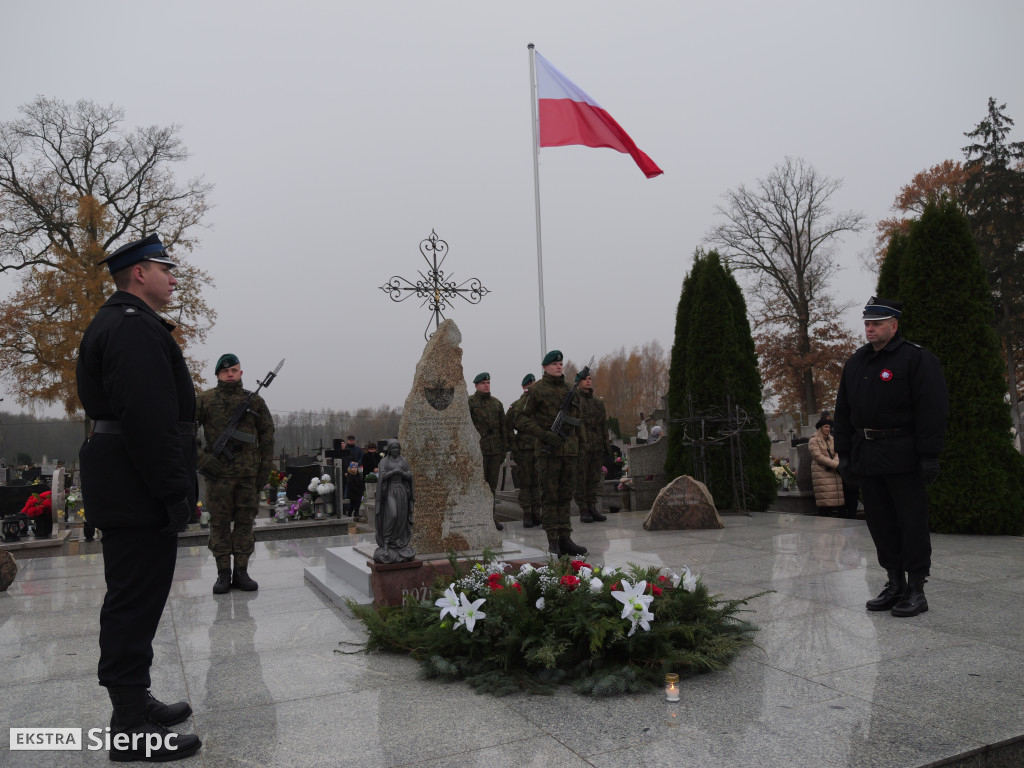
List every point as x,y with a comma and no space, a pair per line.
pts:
339,134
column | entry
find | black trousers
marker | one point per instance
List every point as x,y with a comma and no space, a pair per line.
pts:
138,564
896,511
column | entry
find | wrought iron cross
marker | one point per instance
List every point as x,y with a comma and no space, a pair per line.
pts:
435,288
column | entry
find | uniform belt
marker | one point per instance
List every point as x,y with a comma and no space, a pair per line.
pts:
106,427
883,434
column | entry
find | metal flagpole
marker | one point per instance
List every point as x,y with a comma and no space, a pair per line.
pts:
536,196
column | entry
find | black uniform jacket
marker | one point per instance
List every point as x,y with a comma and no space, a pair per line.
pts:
131,370
898,387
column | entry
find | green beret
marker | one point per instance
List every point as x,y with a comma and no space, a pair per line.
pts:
528,379
485,376
225,361
554,356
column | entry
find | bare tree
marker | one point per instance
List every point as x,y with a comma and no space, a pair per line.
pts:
784,233
73,183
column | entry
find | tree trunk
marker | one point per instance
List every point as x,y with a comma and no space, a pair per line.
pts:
1011,372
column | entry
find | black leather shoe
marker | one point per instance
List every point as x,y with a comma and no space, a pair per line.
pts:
585,516
891,594
913,600
167,714
223,584
243,581
570,547
499,526
527,520
598,517
536,518
553,547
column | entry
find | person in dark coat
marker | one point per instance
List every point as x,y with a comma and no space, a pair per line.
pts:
355,487
890,421
139,475
371,458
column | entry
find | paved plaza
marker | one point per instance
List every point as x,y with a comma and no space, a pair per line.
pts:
273,680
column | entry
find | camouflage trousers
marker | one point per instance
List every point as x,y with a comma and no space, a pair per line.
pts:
232,503
588,479
492,469
556,480
526,469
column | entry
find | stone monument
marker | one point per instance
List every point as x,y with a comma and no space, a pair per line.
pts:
454,505
683,504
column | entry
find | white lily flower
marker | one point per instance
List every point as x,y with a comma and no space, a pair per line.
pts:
540,603
470,611
634,603
643,618
689,581
449,604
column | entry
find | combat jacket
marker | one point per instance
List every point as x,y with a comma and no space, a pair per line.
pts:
899,389
131,373
595,423
253,443
489,419
521,441
543,401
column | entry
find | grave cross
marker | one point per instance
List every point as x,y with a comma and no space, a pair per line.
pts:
435,288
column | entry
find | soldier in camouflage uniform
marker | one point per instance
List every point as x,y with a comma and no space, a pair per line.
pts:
523,454
556,458
233,485
488,416
588,471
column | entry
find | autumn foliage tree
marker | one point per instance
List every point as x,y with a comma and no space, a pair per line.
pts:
73,186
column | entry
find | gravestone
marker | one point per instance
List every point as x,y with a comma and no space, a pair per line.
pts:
454,505
683,504
57,495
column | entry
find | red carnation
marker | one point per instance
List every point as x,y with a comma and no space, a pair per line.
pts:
655,590
495,586
577,564
663,578
570,582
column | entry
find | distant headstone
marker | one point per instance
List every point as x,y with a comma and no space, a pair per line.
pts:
683,504
454,505
57,495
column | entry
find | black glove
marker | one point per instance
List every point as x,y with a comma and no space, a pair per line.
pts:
210,466
844,468
930,470
555,441
179,516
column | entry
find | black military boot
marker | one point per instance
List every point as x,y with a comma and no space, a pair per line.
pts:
167,714
913,601
585,516
498,525
527,519
223,584
146,740
536,516
569,547
891,594
241,580
554,547
598,517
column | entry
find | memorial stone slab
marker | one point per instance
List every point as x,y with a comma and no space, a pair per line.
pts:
683,504
454,505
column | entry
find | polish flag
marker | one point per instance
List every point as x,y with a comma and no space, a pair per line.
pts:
569,116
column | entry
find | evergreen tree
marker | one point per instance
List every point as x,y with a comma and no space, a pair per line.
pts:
713,362
889,274
948,309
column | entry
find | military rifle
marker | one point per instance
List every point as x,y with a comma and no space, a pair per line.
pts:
563,418
220,447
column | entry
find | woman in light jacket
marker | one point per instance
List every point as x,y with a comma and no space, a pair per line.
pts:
828,485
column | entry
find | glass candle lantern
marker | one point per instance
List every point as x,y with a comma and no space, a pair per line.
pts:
672,687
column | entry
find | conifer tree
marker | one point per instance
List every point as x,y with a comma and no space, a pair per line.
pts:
889,274
713,363
948,310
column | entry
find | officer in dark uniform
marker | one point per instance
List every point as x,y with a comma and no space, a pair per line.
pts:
889,424
488,416
138,477
524,455
556,457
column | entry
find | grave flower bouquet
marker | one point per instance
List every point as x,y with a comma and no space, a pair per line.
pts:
782,472
276,479
301,508
37,504
531,627
72,500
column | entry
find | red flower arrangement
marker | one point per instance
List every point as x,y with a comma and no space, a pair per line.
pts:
569,581
577,564
656,591
37,504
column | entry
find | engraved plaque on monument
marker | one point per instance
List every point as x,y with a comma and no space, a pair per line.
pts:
453,502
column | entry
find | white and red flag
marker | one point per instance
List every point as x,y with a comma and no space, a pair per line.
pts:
567,115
